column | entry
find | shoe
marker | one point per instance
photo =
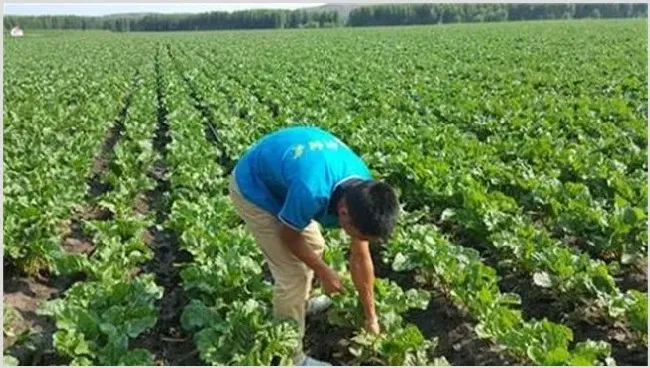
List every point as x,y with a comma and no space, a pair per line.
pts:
318,304
310,362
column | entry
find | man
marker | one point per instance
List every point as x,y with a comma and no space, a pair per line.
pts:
288,183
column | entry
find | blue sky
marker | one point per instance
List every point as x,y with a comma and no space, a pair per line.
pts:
111,8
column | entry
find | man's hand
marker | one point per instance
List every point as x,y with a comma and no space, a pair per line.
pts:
331,281
372,326
294,241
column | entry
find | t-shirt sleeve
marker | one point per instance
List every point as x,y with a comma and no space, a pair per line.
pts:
300,206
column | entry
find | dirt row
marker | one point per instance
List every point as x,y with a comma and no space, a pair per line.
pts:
167,341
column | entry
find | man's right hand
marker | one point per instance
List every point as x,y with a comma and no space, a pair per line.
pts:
331,281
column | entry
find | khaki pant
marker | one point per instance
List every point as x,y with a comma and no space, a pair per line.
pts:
292,278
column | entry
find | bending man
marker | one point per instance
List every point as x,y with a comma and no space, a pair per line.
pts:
287,184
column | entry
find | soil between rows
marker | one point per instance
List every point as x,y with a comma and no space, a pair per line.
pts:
166,340
32,340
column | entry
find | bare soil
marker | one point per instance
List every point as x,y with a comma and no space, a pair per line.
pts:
31,342
634,277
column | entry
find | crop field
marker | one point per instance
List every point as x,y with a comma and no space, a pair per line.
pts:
519,151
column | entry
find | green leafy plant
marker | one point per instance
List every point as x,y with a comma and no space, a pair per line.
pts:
398,343
241,333
95,320
9,318
404,346
391,302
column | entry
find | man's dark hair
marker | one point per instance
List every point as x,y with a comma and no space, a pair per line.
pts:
373,208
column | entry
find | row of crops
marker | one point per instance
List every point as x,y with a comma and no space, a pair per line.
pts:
519,152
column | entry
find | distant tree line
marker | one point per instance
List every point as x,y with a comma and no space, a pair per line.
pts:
255,19
404,14
375,15
247,19
53,22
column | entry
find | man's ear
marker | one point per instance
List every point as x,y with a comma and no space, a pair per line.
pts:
343,209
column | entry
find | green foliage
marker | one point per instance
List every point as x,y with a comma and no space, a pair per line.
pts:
507,141
404,346
475,286
361,15
9,317
54,122
247,334
390,303
10,360
399,343
246,19
637,311
95,320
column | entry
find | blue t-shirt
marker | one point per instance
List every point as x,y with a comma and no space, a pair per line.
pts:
292,174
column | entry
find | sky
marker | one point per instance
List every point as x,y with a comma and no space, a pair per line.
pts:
112,8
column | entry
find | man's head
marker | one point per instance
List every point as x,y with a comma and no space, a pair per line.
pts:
368,210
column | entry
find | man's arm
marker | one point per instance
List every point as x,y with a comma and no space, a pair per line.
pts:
363,276
293,240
